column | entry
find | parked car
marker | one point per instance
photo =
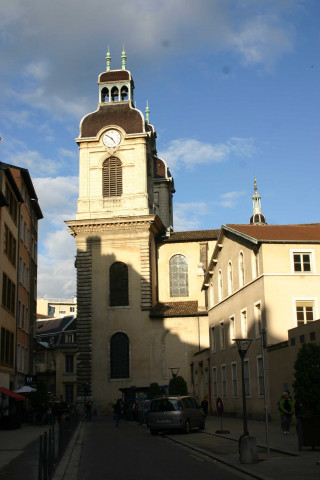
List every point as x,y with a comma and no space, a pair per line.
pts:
175,412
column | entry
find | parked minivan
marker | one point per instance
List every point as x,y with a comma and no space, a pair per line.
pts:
175,412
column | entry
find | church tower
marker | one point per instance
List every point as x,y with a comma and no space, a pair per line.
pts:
124,204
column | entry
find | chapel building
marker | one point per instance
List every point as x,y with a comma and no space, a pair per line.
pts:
141,314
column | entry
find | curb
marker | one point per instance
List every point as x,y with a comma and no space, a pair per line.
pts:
65,460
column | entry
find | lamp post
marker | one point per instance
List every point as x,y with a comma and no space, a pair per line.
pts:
174,371
243,345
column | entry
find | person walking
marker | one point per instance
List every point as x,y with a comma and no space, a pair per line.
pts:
204,406
89,410
117,409
286,408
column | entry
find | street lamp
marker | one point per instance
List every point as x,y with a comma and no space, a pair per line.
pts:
174,371
243,345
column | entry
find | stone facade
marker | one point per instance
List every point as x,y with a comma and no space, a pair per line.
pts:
125,220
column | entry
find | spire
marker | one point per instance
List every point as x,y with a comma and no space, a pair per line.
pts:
257,217
108,60
147,113
124,59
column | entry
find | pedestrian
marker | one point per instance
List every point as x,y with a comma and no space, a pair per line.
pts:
286,408
299,411
117,409
89,410
204,406
50,415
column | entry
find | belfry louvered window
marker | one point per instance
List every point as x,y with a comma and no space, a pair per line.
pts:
119,291
112,177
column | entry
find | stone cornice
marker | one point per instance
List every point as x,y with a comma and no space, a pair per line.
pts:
142,223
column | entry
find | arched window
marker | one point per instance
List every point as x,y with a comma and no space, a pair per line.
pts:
178,270
241,269
114,94
119,356
119,285
230,279
254,264
220,285
104,95
112,177
124,93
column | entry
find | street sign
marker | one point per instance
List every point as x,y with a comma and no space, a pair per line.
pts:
219,405
31,379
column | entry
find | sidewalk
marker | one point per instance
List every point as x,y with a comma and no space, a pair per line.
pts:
19,451
285,460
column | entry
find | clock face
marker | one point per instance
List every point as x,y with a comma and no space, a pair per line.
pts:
111,138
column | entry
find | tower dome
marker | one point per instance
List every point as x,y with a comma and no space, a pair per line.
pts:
257,218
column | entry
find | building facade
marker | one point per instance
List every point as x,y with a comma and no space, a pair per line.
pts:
20,213
262,281
57,307
140,307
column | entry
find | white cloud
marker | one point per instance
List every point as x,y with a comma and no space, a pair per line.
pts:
57,197
230,199
186,215
33,32
191,152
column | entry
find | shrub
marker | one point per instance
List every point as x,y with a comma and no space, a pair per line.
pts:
307,377
178,386
154,390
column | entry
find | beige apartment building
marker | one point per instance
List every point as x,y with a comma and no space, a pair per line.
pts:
19,214
57,307
259,277
141,311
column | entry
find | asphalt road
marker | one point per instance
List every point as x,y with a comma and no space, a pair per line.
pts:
131,452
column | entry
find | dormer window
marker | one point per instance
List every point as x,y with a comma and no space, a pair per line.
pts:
105,95
114,94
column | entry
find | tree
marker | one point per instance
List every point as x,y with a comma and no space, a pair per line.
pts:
178,386
154,390
307,377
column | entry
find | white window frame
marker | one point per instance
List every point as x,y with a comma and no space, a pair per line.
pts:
222,335
211,295
224,380
234,374
247,378
214,382
309,251
230,278
244,325
213,339
257,318
232,329
260,376
296,300
254,264
241,269
220,285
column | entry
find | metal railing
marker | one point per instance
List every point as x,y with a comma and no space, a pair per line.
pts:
52,446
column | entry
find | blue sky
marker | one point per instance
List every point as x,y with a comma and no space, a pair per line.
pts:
233,91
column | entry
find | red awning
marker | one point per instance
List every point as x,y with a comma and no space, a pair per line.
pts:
10,393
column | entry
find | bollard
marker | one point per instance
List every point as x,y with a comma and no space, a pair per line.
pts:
248,449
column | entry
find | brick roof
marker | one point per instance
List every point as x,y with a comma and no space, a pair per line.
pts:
192,236
176,309
299,233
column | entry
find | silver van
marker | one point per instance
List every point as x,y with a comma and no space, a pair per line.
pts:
175,413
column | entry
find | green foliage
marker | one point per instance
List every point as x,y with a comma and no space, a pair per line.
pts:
307,377
40,396
154,390
178,386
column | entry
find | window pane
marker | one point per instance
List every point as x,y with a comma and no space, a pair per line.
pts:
306,263
119,353
178,271
119,288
